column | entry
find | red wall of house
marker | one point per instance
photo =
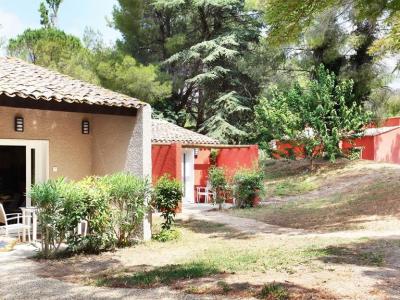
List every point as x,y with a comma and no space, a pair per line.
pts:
231,159
387,146
367,144
166,159
393,121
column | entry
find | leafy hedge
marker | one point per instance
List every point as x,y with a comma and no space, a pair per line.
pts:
113,207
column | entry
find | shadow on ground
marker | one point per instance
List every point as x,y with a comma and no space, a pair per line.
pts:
381,256
215,230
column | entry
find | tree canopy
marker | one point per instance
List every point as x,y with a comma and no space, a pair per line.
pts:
240,71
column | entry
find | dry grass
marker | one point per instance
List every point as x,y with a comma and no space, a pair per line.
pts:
356,195
211,258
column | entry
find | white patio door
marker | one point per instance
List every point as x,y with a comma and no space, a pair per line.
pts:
36,160
188,175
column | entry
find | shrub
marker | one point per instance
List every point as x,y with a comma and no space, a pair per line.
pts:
274,291
113,206
219,184
213,157
60,208
167,195
247,185
166,235
100,234
128,195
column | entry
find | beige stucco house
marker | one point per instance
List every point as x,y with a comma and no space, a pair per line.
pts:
52,125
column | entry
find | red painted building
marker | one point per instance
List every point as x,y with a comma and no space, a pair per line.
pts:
381,144
185,155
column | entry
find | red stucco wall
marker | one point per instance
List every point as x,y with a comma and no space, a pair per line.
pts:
387,146
393,121
367,145
231,159
166,159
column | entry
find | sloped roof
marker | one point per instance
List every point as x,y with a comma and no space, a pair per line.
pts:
164,132
21,79
379,130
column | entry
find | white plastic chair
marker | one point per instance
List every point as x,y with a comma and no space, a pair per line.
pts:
20,227
206,192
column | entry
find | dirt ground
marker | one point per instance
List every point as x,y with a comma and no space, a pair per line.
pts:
285,258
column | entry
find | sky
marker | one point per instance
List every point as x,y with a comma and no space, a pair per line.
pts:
73,17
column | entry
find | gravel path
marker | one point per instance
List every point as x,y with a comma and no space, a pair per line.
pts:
18,281
251,226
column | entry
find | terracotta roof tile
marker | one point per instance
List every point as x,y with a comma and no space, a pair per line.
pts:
25,80
164,132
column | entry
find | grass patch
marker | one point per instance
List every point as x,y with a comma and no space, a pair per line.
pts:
274,291
166,235
164,275
291,188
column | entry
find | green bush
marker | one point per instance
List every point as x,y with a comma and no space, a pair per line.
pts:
113,206
219,184
60,208
128,198
167,195
100,234
166,235
274,291
247,185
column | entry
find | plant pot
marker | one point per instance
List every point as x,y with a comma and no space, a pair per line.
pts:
256,200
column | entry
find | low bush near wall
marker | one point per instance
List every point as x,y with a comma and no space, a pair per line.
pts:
112,206
248,186
128,195
219,184
166,198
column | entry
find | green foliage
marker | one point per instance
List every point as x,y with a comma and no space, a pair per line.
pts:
200,44
47,47
61,207
124,74
247,185
166,235
49,13
274,291
213,156
95,63
316,116
113,207
163,275
128,198
219,184
167,195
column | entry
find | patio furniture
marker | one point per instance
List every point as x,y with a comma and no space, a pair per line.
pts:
29,215
19,227
206,192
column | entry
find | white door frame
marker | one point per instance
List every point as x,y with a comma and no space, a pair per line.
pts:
188,175
41,148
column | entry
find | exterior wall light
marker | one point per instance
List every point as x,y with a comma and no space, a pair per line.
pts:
85,127
196,152
19,124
